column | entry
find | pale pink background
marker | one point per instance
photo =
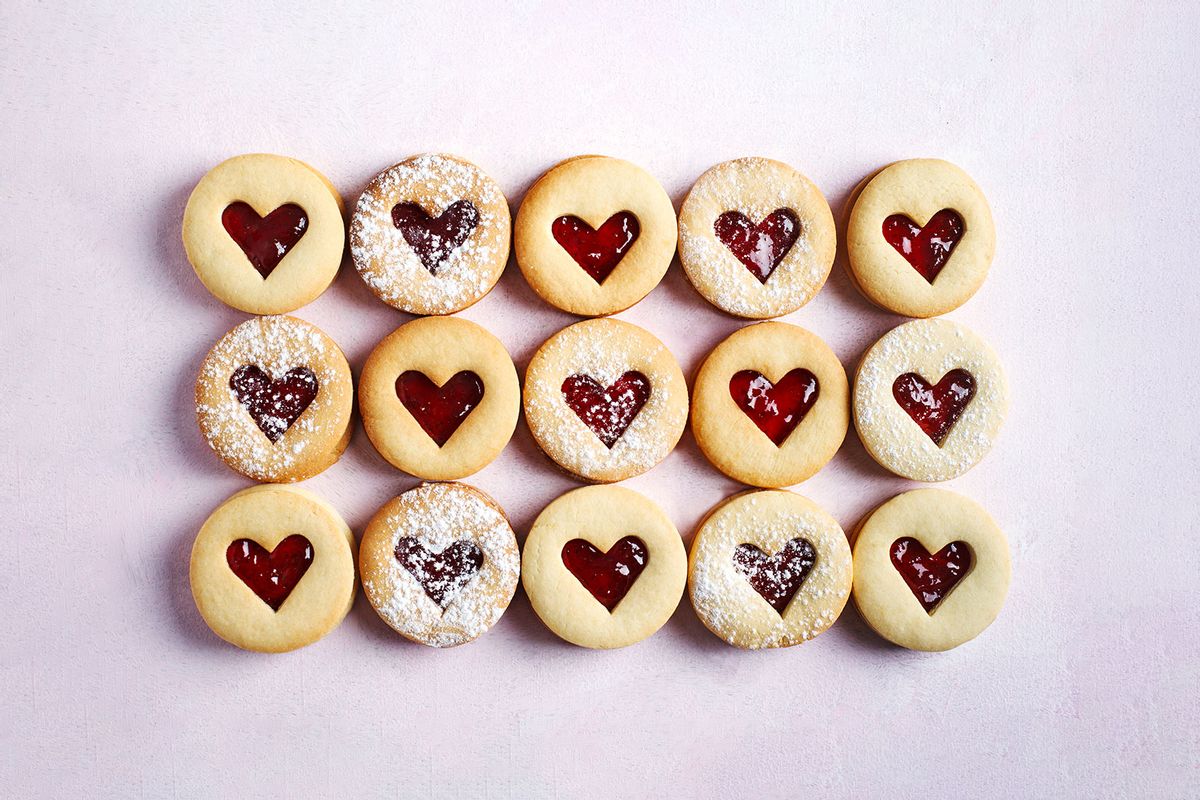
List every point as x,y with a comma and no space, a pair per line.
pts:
1080,127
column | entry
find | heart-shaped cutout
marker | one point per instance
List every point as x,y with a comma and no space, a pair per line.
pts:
759,247
439,410
935,408
443,574
434,239
270,574
927,249
274,405
776,578
608,576
597,251
265,240
607,411
930,577
776,408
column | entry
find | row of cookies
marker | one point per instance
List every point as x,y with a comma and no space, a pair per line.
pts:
275,568
593,235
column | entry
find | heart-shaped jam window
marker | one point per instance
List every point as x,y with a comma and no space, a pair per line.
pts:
926,249
759,247
776,408
443,574
597,251
274,405
265,240
776,578
434,239
930,577
607,411
608,576
935,408
270,574
439,410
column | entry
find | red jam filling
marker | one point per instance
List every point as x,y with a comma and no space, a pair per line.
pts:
607,411
930,577
935,408
777,577
929,248
444,574
776,408
439,409
608,576
265,240
759,247
274,405
433,239
597,251
272,575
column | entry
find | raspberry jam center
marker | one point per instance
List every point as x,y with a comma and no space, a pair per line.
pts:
930,577
274,405
759,247
935,408
439,410
270,574
776,408
926,249
608,576
607,411
434,239
443,574
265,240
597,251
776,578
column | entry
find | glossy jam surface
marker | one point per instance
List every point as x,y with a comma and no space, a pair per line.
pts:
776,408
929,248
759,247
608,576
930,577
935,408
597,251
444,574
274,405
433,239
439,409
607,411
776,578
272,575
265,240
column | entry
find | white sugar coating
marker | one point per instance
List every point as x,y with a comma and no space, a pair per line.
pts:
390,266
275,345
437,515
929,348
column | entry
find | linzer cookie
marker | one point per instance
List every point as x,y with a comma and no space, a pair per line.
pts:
274,398
756,238
431,234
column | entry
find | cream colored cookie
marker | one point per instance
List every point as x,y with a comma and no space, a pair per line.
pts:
274,398
769,569
440,563
605,400
616,219
919,237
264,233
756,238
272,569
931,569
439,398
430,235
603,567
929,399
771,405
